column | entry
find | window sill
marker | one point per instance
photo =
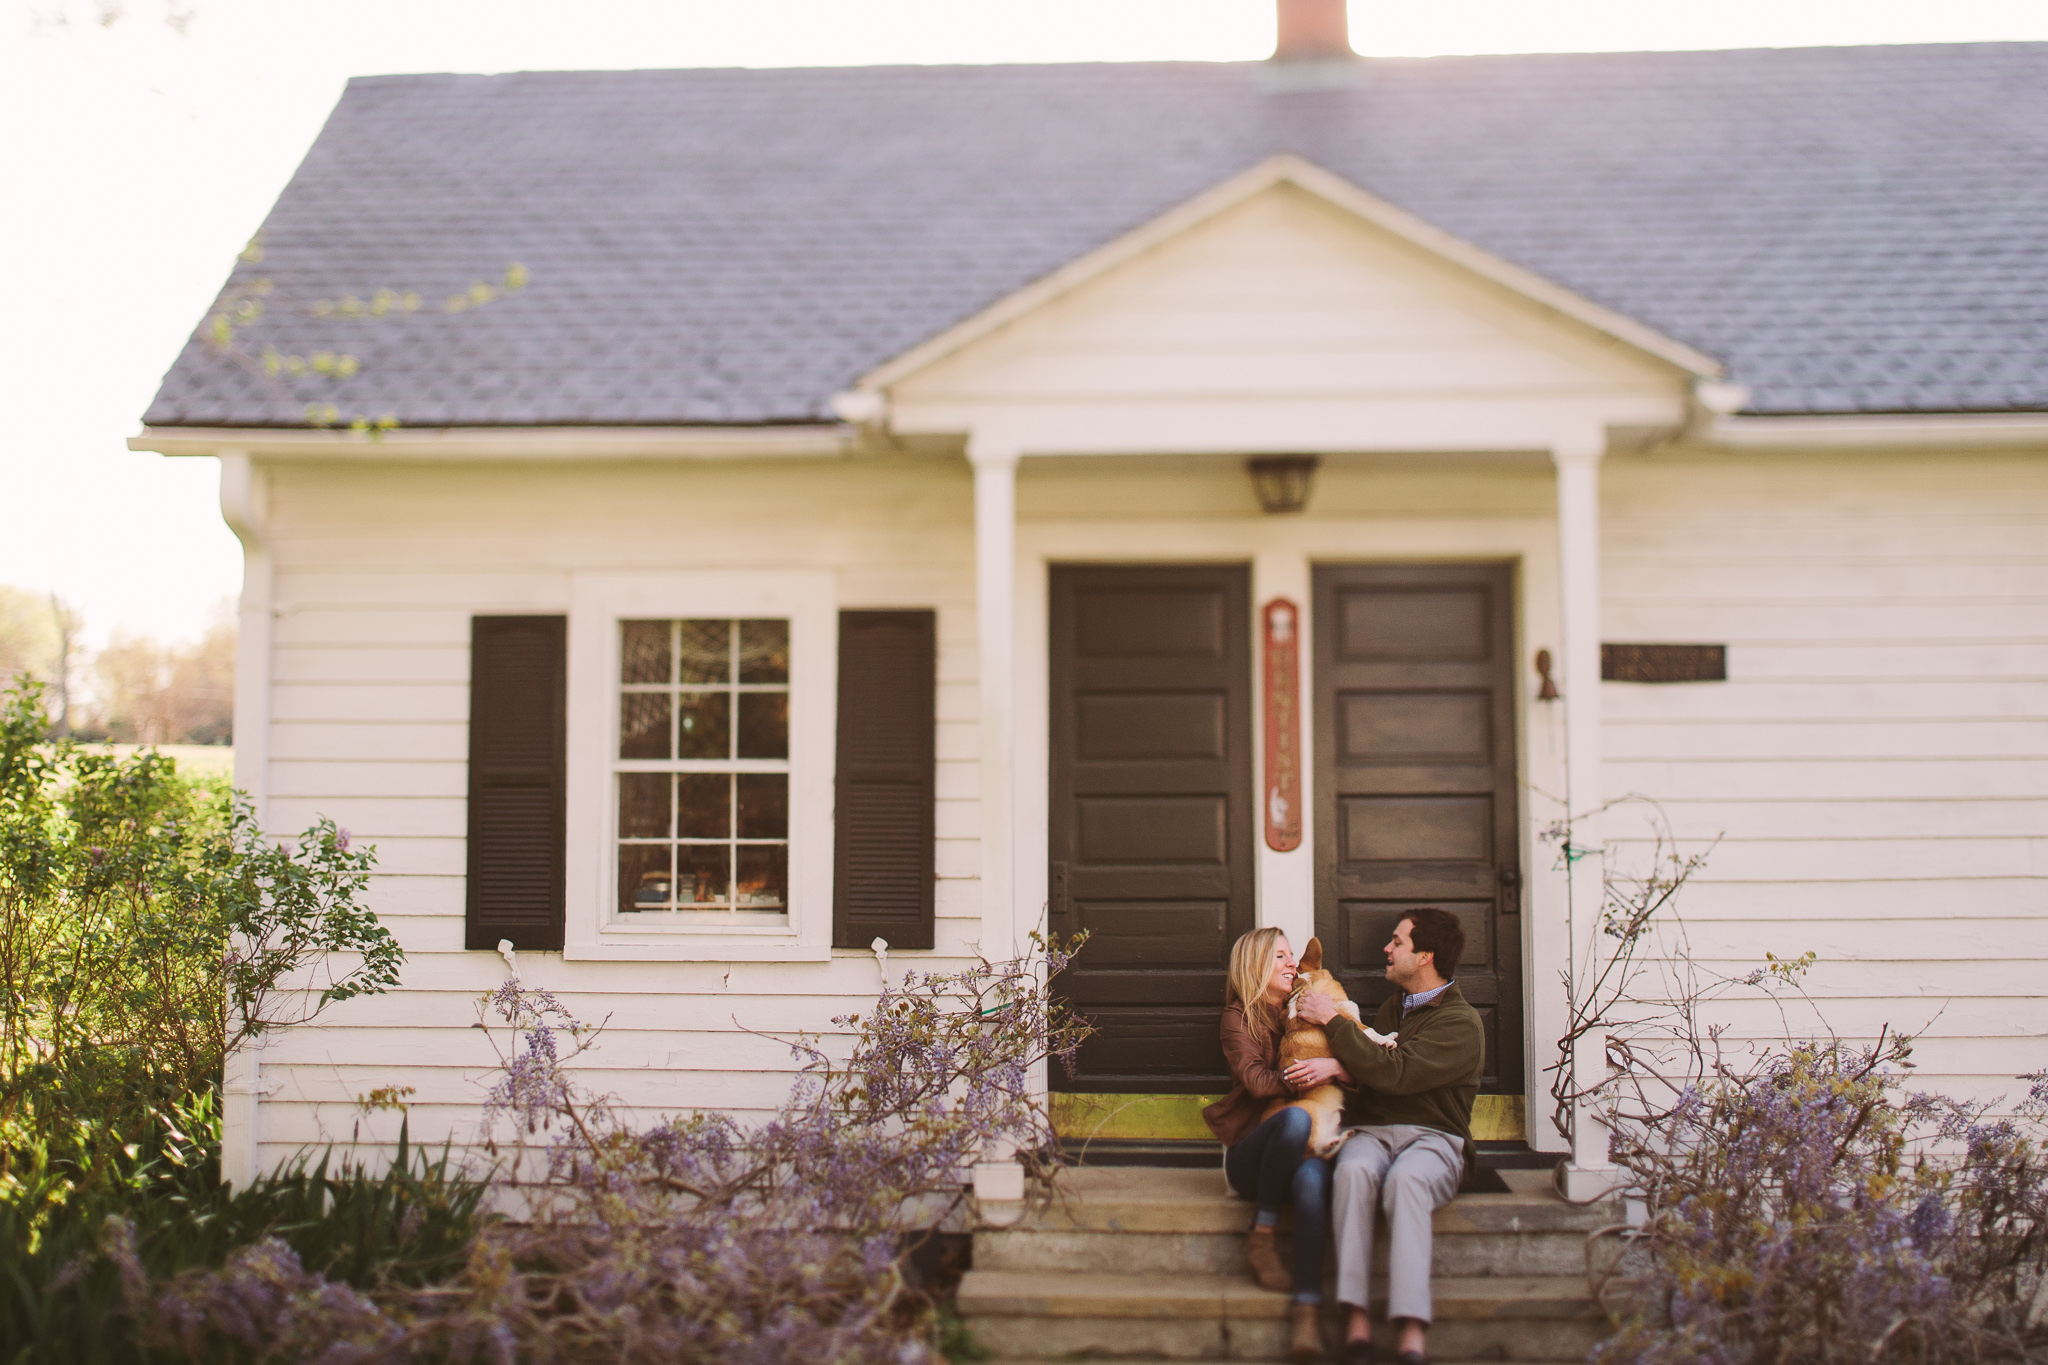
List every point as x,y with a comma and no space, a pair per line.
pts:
722,945
700,922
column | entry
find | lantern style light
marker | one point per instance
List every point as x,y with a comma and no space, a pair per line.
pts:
1282,481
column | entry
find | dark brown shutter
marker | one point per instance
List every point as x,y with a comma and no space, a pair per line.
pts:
518,692
883,878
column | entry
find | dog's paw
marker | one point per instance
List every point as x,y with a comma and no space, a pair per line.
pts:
1373,1035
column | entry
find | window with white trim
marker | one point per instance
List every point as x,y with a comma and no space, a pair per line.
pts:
701,770
701,731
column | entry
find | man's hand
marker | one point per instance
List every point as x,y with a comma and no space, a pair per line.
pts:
1310,1072
1317,1009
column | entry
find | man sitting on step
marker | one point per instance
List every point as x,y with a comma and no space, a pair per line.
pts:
1410,1124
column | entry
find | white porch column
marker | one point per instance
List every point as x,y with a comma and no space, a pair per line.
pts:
1578,533
995,584
998,1178
245,506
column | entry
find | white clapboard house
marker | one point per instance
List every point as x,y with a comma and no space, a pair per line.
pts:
931,503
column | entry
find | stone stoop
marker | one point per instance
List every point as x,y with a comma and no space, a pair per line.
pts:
1142,1264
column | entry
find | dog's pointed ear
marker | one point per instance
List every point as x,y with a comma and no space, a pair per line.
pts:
1312,957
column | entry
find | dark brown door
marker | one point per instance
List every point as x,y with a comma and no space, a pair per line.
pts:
1151,838
1415,779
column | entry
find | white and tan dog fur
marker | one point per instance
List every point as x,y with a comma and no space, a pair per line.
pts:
1325,1103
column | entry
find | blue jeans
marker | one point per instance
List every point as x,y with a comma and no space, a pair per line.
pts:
1269,1166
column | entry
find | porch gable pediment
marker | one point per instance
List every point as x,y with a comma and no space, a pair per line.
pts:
1288,310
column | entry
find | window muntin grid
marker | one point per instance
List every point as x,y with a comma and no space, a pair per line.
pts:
702,767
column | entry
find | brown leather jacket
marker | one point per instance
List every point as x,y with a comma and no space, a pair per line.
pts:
1258,1076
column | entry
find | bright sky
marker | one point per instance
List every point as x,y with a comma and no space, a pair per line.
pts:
137,161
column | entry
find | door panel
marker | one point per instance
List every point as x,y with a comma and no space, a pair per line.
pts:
1415,778
1151,813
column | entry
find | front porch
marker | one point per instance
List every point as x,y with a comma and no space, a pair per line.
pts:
1105,409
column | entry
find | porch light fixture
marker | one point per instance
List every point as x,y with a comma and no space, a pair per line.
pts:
1282,481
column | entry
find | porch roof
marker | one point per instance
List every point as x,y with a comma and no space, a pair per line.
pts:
1847,229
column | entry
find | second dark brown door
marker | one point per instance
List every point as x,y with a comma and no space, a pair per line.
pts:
1151,818
1415,779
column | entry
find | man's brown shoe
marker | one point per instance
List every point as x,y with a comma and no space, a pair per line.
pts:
1305,1335
1262,1254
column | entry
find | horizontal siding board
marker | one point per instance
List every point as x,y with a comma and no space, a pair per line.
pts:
327,779
1888,580
1878,902
317,740
365,701
1949,943
368,664
505,590
1827,860
1740,623
1779,740
398,625
1826,700
1824,661
377,818
1965,1015
1816,818
1713,777
732,1050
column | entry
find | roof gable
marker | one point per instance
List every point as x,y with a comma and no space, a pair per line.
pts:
1273,315
1334,192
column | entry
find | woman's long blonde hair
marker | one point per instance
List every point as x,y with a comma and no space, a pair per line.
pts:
1251,967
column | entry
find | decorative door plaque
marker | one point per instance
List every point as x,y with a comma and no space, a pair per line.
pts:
1283,725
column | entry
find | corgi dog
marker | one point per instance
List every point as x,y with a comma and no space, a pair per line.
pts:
1325,1103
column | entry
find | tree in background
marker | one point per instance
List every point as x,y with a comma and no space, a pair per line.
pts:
138,690
39,643
148,692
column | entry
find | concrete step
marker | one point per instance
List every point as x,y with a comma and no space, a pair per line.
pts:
1042,1315
1023,1292
1222,1253
1139,1221
1139,1199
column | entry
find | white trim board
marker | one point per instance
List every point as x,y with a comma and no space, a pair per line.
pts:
823,440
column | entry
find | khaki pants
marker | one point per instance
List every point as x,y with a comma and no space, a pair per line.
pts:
1411,1172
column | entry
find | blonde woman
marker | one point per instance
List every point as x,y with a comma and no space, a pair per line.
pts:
1267,1162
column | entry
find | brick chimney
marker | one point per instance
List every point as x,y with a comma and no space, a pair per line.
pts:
1312,31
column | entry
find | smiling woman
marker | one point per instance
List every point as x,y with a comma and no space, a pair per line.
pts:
1267,1161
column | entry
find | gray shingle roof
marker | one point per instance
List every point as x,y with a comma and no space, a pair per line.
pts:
1849,229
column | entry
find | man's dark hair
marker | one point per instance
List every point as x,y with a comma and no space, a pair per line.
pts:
1437,932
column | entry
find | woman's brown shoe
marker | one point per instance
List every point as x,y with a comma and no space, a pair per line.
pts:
1262,1254
1305,1337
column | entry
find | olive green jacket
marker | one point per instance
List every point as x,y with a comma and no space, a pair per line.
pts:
1428,1079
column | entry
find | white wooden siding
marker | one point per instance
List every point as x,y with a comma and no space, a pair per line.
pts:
379,569
1876,765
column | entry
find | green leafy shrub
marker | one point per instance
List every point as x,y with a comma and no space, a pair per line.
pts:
148,930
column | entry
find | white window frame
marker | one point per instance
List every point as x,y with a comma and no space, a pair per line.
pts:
808,600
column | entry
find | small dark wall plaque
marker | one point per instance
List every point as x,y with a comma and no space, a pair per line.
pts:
1663,663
